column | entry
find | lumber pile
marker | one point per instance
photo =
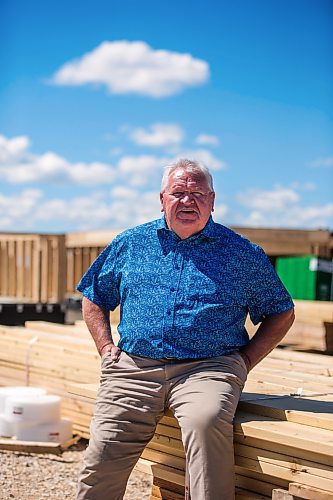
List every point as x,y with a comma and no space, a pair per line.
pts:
312,329
283,432
283,429
51,356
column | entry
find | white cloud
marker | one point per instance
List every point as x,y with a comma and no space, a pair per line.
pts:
148,169
18,211
282,207
18,165
28,210
204,156
206,139
134,67
130,207
141,170
322,162
160,134
12,149
220,213
276,199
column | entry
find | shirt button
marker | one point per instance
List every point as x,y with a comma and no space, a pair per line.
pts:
172,289
177,267
168,313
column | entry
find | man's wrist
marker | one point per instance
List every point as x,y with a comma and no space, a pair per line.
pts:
103,349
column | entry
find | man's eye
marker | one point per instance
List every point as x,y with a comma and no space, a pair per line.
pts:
178,194
197,194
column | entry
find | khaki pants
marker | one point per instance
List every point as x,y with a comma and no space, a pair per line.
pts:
133,394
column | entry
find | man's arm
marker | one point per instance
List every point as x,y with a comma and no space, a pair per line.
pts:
270,332
98,322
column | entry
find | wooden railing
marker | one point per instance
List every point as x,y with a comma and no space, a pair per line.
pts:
32,267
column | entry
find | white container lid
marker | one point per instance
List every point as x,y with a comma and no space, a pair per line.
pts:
5,392
38,409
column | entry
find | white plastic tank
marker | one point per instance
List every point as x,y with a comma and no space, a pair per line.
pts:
38,409
57,432
5,392
6,426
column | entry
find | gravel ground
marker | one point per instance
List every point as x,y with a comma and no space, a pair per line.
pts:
25,476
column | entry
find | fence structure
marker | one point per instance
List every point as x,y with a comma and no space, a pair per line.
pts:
46,268
32,268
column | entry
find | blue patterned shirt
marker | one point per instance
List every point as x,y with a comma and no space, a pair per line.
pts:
184,298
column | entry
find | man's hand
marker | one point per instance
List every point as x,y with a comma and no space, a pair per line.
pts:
98,323
113,350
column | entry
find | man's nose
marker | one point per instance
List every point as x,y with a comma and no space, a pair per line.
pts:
187,198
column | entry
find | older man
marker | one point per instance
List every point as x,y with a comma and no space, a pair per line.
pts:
185,286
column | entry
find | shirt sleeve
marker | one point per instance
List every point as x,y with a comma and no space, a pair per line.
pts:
100,284
266,294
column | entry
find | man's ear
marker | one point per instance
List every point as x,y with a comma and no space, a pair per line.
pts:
161,200
213,200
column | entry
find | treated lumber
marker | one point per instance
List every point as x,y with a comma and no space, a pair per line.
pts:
277,439
314,413
313,358
273,482
248,495
284,473
161,471
313,311
317,441
164,458
165,494
30,446
280,494
308,492
257,482
290,462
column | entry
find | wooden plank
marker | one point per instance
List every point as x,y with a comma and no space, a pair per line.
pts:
160,471
30,446
311,412
164,458
279,494
36,271
258,481
290,462
309,493
20,263
273,469
167,485
12,269
166,494
27,279
281,448
316,441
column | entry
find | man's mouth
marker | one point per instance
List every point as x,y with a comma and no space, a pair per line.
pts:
187,212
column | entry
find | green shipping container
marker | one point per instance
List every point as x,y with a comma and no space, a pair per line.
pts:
306,277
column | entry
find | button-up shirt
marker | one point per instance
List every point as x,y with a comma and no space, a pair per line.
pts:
184,298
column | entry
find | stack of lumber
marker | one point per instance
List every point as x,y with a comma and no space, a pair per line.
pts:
51,356
283,432
283,429
312,329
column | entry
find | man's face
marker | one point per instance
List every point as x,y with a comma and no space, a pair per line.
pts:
187,202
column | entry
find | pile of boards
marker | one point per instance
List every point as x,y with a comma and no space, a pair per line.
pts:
312,329
283,429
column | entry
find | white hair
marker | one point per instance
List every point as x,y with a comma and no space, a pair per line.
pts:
190,166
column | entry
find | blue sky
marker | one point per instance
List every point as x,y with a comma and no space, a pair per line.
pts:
96,97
